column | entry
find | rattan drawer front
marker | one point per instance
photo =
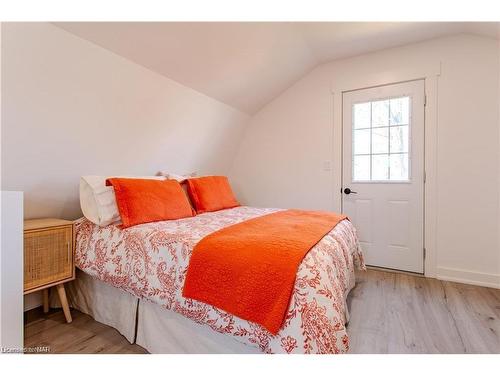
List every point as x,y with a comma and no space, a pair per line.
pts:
47,256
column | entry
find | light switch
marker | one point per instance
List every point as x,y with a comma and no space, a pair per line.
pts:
327,165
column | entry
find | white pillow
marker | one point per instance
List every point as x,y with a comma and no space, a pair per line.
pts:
175,176
98,201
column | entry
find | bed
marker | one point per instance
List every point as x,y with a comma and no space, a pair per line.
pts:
132,279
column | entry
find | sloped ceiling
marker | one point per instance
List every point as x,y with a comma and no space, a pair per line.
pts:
245,65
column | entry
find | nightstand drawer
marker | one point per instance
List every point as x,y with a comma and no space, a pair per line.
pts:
48,256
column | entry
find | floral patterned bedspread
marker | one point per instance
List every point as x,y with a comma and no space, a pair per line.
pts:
150,261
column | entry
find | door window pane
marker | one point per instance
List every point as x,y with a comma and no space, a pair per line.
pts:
400,111
362,141
399,138
380,167
361,167
399,167
380,140
362,113
380,113
381,137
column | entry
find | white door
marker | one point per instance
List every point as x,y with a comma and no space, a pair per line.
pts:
383,173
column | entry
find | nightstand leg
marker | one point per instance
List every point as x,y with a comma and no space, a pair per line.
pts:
64,302
45,300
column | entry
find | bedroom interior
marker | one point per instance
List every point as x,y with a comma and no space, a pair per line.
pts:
298,187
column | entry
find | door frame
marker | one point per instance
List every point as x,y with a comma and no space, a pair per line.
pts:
430,75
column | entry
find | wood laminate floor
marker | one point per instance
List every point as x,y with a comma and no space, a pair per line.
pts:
390,313
83,335
401,313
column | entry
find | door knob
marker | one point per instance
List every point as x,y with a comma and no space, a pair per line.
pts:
349,191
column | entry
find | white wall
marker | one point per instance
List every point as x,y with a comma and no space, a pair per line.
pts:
72,108
280,161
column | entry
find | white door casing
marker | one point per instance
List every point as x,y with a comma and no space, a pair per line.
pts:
383,166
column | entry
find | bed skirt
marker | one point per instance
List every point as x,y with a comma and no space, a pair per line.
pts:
163,331
147,324
105,303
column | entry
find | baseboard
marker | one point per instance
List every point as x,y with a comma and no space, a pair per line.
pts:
383,269
467,277
32,301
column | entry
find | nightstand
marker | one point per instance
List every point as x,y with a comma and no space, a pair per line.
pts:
49,258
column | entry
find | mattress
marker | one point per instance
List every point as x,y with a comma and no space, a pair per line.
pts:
150,262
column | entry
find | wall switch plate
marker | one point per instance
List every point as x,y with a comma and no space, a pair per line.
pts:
327,165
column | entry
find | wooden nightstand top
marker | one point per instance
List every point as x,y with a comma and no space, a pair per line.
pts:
45,223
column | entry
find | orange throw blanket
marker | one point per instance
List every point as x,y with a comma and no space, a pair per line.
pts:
249,269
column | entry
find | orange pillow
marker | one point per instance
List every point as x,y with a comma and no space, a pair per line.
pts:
143,201
211,193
